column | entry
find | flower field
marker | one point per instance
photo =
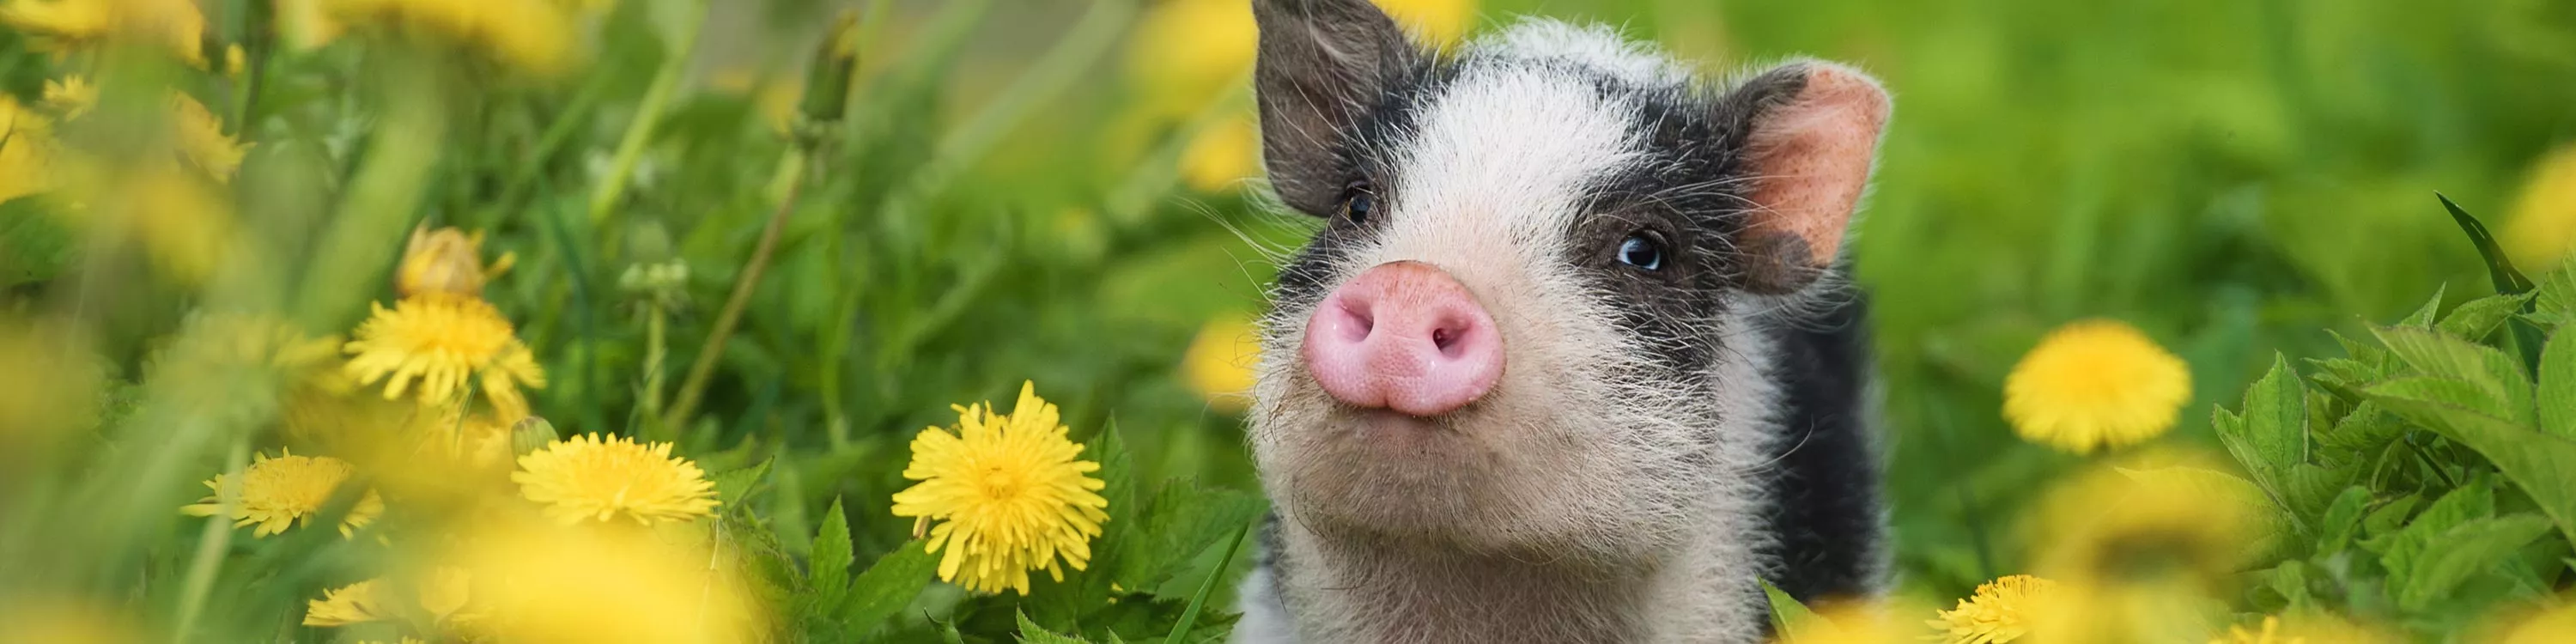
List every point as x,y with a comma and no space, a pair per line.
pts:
527,321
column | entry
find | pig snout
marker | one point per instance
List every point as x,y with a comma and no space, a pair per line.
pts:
1404,336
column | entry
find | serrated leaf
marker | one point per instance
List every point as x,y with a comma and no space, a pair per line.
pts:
734,487
2556,397
2475,319
2391,516
1181,522
2272,434
2423,317
2343,520
2464,551
2543,466
2290,581
829,574
2554,304
1031,634
888,585
2505,390
2366,427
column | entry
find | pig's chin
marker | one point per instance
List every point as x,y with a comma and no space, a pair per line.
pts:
1463,481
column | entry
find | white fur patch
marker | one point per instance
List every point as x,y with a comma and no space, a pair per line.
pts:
1595,46
1500,160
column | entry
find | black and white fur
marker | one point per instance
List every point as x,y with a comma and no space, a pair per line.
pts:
1659,440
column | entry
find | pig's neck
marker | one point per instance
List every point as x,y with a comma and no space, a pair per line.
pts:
1357,591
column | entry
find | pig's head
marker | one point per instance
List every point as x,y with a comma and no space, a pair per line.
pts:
1534,320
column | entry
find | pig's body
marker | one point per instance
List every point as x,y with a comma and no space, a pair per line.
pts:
1570,362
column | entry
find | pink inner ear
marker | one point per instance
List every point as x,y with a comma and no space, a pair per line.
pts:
1813,156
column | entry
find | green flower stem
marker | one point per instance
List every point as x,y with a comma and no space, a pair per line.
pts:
639,131
789,184
212,543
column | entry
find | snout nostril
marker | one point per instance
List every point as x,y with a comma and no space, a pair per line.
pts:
1445,339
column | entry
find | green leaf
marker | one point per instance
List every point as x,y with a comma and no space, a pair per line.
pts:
2342,520
829,574
2469,549
2273,435
2366,427
1792,620
2290,580
2542,465
2555,304
1190,616
889,585
34,246
734,487
1182,521
2391,516
2504,390
2423,317
2499,267
1031,634
2557,395
2475,319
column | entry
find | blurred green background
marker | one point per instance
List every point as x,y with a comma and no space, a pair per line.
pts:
1063,192
2230,176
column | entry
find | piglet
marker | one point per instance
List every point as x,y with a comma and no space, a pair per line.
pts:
1570,359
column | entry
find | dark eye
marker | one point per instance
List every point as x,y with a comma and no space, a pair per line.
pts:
1358,204
1642,251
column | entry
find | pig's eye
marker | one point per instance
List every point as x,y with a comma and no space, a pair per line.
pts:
1358,205
1642,251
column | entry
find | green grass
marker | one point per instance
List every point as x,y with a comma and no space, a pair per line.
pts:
991,205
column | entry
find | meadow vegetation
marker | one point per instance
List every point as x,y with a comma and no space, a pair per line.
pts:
910,320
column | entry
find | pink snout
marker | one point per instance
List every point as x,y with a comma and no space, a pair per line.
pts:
1404,336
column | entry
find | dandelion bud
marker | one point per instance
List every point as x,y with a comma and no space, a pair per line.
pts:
530,434
827,84
446,260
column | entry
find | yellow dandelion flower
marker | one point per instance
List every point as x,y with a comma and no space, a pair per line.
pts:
2001,611
442,340
2312,628
276,493
2543,224
1221,157
447,260
197,132
73,96
591,478
2094,384
535,35
32,617
1187,53
46,372
356,603
202,140
27,150
1439,22
1219,362
2139,552
442,594
544,584
61,26
1007,493
2548,627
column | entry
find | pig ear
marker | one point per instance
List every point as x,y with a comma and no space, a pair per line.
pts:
1809,131
1323,65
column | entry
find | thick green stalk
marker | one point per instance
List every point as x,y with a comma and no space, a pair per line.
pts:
790,182
380,201
212,543
657,97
